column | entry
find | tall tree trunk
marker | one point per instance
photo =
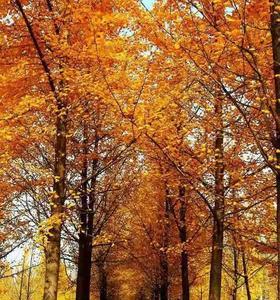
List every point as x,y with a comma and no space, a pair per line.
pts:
164,267
246,278
164,278
275,33
86,233
83,277
84,270
52,249
218,224
103,284
84,261
183,239
235,275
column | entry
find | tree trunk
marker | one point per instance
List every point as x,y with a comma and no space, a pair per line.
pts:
103,284
164,280
86,233
235,266
84,263
52,249
183,240
163,255
84,269
163,290
246,278
275,33
218,226
155,293
84,258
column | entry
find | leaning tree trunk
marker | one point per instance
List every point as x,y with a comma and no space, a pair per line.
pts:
52,248
275,33
183,239
218,224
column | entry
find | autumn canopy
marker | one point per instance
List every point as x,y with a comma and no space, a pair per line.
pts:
139,149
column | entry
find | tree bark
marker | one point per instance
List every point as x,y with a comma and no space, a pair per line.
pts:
235,266
86,233
218,224
84,258
84,269
103,284
246,278
52,249
164,278
164,267
275,34
155,293
183,240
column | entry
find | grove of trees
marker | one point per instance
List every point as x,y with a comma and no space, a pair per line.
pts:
139,149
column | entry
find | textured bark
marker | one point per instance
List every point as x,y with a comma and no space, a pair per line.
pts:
52,249
183,239
52,256
275,33
218,224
